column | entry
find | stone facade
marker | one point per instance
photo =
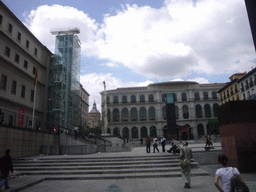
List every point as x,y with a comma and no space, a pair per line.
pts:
94,117
84,105
21,53
136,112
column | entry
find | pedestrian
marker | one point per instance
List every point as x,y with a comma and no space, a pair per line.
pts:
186,153
141,141
76,131
155,145
173,148
148,141
225,174
163,143
6,167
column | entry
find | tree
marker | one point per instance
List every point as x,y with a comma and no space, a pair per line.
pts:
213,127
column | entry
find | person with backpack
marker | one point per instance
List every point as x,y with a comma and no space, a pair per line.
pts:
6,167
185,156
225,174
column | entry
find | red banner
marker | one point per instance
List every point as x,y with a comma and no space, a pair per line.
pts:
36,76
21,117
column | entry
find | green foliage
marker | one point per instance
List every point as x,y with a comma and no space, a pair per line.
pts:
213,127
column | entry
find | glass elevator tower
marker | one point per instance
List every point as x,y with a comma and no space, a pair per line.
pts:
64,79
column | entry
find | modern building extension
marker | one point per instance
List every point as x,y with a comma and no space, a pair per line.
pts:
64,77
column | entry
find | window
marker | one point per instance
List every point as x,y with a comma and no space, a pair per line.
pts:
17,58
34,70
142,113
197,96
3,82
142,98
152,113
134,115
1,19
176,112
19,36
174,97
107,99
185,112
35,51
25,64
32,93
14,86
215,109
23,91
205,95
151,98
207,110
163,97
27,44
214,95
124,99
199,113
133,99
115,99
10,28
7,51
124,114
115,115
164,112
184,96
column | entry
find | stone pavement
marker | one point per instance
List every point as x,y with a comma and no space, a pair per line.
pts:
173,184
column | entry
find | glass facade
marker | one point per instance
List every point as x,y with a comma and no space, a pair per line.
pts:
64,78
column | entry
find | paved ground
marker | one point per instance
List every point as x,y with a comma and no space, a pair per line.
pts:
199,183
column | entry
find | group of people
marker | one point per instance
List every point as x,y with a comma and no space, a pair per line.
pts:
155,144
225,173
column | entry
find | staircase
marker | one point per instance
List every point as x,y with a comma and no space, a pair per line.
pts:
103,166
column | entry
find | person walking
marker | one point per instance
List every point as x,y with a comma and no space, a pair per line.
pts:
6,167
148,141
225,174
163,143
76,129
186,153
155,146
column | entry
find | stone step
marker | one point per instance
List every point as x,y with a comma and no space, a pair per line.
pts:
70,158
97,167
37,168
102,171
103,164
194,172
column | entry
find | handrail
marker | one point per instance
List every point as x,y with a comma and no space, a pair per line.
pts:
176,144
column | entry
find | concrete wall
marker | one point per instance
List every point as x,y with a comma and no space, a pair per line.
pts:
24,142
68,149
206,158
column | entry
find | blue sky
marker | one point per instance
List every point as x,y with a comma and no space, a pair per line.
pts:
137,42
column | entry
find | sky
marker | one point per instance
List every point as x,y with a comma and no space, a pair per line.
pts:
130,43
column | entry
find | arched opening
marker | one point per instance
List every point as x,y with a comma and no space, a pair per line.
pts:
116,132
143,132
200,129
125,133
135,134
153,131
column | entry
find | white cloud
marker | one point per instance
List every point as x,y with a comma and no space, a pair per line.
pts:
200,80
110,64
208,37
93,84
180,37
46,18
